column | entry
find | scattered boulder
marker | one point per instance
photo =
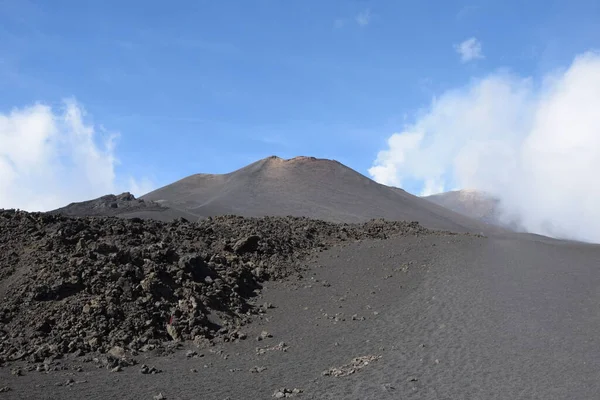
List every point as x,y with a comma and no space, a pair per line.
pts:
247,245
353,366
264,335
285,392
149,370
191,353
279,347
117,352
172,331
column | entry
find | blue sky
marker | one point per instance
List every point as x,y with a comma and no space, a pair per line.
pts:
209,86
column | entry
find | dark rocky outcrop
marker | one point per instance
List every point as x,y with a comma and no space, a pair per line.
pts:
124,205
81,285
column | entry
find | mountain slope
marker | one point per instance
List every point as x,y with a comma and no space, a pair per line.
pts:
472,203
307,187
477,205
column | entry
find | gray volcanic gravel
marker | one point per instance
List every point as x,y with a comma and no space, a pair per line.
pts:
412,317
120,286
415,316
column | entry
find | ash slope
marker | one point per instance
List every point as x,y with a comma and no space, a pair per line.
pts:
307,187
452,317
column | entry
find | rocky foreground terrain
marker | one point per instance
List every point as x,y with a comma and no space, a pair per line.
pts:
259,308
117,287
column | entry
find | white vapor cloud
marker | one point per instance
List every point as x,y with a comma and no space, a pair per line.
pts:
140,187
49,159
469,50
364,18
533,144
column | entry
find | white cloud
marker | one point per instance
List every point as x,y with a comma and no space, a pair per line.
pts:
469,50
49,159
364,18
400,146
533,144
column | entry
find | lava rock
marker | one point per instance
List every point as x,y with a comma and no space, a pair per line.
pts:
246,245
107,285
